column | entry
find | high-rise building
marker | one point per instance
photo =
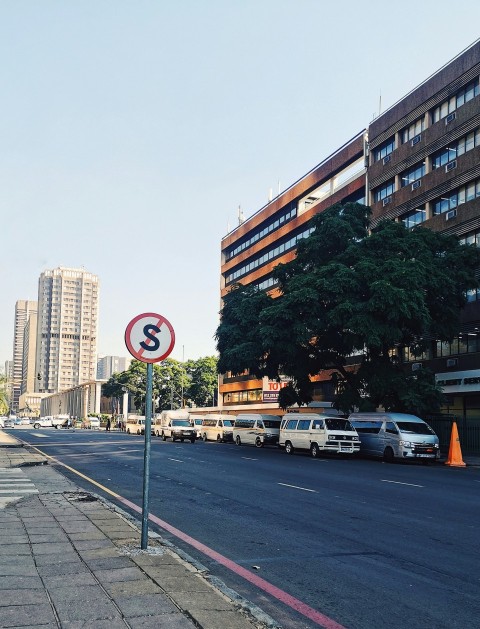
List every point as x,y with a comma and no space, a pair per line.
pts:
108,365
29,351
23,309
66,354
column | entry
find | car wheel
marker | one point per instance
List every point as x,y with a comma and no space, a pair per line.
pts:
388,455
157,434
238,441
205,437
163,436
182,440
288,447
259,442
314,450
56,426
192,440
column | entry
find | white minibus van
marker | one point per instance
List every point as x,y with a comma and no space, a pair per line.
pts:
175,424
318,433
196,422
396,436
256,430
135,425
217,427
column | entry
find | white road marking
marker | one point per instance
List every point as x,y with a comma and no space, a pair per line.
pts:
18,491
39,434
177,460
247,458
295,487
398,483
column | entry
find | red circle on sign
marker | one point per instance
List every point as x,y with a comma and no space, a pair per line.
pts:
149,337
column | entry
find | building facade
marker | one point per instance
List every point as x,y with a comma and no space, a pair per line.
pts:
66,329
424,169
252,250
23,310
108,365
422,159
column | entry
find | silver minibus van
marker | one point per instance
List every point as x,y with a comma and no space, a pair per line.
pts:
395,436
256,430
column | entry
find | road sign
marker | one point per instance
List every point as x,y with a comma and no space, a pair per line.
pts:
149,337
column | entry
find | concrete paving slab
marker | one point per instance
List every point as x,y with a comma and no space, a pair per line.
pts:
167,571
184,584
87,611
14,539
202,600
74,580
89,535
55,548
15,549
164,621
146,605
65,569
16,569
74,594
93,544
69,556
53,536
20,583
22,616
108,563
120,574
9,598
132,588
87,624
98,553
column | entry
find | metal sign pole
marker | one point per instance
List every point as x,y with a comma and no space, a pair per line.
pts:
146,458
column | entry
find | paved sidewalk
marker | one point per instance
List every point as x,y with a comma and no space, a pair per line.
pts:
69,559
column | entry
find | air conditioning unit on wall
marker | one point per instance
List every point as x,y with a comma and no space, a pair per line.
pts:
416,366
452,362
450,214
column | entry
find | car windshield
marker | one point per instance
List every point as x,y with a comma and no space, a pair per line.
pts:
271,423
180,422
417,428
367,426
337,423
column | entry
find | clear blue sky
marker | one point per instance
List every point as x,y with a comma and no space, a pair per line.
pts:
130,131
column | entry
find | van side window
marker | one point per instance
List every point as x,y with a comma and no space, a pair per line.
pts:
291,424
318,423
260,424
220,423
303,424
391,428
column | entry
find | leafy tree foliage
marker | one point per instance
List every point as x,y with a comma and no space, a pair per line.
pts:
202,374
352,292
4,401
196,379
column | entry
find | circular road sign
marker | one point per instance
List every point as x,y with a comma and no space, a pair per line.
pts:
149,337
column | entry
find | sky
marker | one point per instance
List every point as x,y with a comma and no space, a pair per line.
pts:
131,131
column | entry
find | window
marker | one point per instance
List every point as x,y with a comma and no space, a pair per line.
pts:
454,102
456,197
303,424
384,149
415,217
391,428
291,424
455,149
318,423
413,174
268,255
384,191
413,130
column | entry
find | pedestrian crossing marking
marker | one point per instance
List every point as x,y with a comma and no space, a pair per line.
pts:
14,485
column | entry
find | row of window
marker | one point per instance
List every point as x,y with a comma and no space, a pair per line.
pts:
280,219
456,197
254,395
455,149
414,129
464,344
270,254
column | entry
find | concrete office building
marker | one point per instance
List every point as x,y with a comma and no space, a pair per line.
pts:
423,167
67,329
108,365
23,309
252,250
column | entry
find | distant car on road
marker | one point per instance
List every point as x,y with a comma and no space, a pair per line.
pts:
91,423
8,423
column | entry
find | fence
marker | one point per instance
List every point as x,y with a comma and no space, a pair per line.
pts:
468,431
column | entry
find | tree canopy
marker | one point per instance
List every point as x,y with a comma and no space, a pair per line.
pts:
195,379
4,400
352,291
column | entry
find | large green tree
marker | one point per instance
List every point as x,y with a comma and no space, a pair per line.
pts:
4,399
202,385
352,291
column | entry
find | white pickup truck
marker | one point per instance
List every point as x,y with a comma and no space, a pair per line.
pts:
50,422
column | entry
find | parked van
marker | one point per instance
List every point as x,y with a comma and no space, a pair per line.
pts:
217,427
396,435
196,422
256,430
135,425
176,425
318,433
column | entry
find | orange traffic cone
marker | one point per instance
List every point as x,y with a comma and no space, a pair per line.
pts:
455,451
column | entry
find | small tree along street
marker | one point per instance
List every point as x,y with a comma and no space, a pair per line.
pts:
195,378
352,292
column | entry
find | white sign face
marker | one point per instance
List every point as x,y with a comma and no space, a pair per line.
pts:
149,337
271,388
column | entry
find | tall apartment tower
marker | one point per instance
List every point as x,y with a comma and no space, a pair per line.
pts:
108,365
67,329
23,309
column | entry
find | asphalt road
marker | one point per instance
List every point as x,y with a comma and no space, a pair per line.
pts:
365,543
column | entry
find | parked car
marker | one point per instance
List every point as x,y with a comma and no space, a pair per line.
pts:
316,433
396,436
196,422
43,422
8,423
217,427
256,429
91,423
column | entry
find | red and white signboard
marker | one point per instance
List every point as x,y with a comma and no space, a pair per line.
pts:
271,388
149,337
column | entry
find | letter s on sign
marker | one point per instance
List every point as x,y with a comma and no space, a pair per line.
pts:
155,342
